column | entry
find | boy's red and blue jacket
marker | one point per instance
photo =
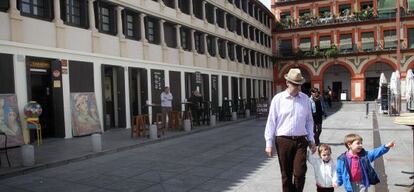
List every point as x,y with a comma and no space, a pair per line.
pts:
342,170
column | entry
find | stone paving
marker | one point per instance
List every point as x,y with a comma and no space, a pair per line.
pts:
230,158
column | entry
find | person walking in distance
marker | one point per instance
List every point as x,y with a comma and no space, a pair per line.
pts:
166,106
290,123
318,110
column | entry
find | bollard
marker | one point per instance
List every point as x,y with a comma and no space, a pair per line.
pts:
187,125
153,131
367,108
96,142
234,116
212,120
247,113
28,155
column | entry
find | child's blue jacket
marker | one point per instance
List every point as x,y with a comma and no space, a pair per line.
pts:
341,170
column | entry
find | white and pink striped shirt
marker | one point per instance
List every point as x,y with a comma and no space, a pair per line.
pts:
289,116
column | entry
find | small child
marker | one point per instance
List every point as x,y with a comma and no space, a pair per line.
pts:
324,168
354,168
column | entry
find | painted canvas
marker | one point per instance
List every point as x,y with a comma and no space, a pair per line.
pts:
85,119
9,121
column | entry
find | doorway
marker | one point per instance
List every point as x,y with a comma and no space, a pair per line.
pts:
138,91
175,89
336,90
113,82
46,89
371,88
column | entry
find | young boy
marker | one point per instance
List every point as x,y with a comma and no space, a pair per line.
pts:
354,168
324,168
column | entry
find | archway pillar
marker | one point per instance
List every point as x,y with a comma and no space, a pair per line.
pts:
358,87
317,82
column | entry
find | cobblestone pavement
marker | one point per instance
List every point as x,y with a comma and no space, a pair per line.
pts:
230,158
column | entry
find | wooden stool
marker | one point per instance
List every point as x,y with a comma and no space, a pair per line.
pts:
139,126
160,123
4,150
175,120
33,123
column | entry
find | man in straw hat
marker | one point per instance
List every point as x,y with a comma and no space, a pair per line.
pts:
290,122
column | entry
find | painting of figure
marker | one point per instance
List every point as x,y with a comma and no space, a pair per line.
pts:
10,121
85,119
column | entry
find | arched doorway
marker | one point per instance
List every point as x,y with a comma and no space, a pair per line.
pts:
338,78
372,75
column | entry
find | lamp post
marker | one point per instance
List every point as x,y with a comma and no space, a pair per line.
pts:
397,31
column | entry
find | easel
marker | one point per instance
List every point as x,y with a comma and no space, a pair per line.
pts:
34,123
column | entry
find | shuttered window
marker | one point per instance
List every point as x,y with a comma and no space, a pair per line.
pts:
410,38
367,40
390,39
305,44
386,8
325,42
345,41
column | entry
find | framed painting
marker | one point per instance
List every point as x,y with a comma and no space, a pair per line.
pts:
9,121
85,119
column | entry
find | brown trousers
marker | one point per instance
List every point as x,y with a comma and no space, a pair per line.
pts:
166,111
292,160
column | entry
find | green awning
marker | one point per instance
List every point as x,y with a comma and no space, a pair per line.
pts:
386,6
411,5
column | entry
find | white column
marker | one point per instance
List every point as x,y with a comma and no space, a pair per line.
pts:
119,21
241,29
178,36
204,11
56,7
191,9
142,27
226,49
215,16
242,55
220,90
182,74
205,45
225,21
91,16
216,39
13,4
162,36
192,40
149,95
235,53
230,88
176,6
127,94
248,31
249,57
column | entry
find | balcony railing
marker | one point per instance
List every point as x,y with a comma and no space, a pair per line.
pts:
335,51
345,17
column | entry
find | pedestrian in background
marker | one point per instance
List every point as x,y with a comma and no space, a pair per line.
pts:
166,106
354,168
290,122
195,106
318,110
324,168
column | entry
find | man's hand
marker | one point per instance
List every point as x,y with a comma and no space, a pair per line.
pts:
312,147
269,152
390,144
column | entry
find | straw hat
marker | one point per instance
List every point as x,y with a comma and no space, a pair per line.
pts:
295,76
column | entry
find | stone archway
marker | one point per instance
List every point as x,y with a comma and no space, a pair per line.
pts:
372,74
338,78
